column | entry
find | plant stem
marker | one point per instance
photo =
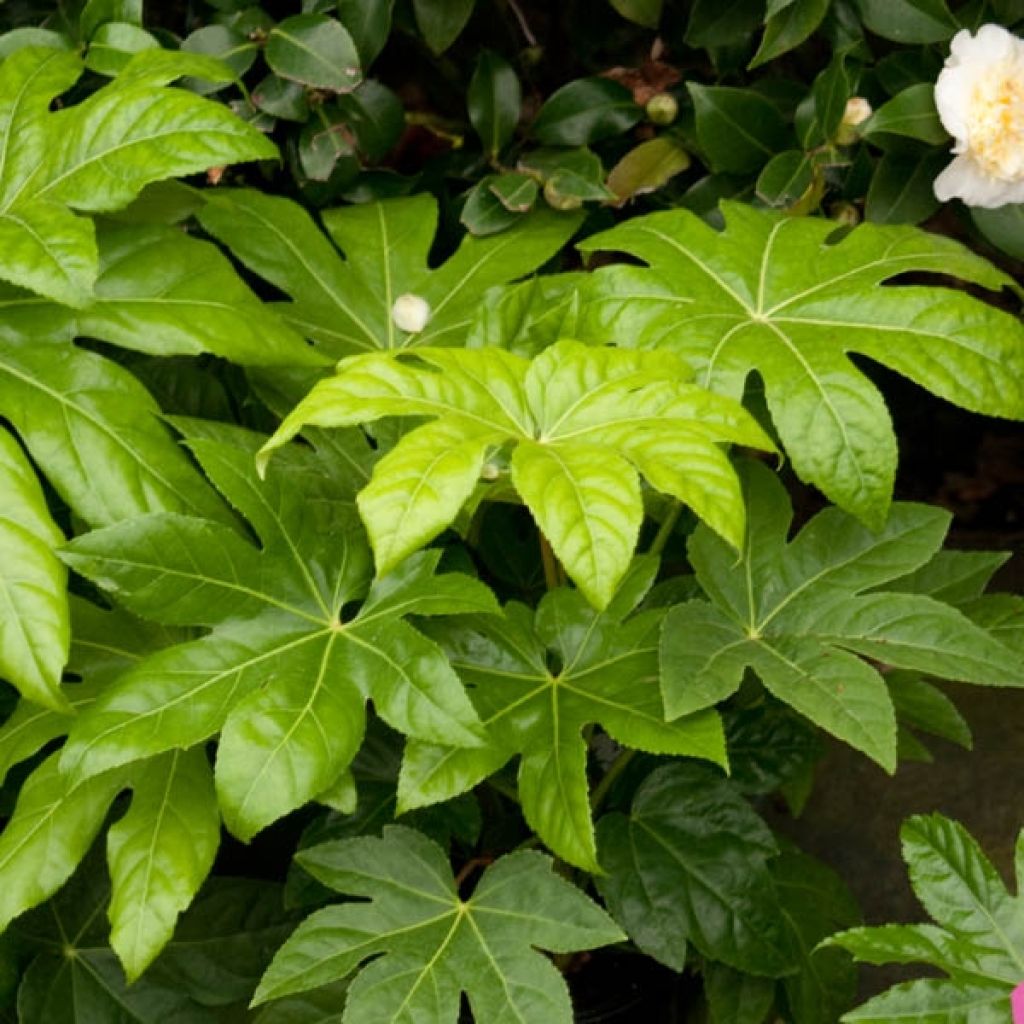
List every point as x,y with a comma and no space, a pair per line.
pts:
547,556
666,528
602,789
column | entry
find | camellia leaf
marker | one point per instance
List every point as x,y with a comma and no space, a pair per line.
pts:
347,305
288,668
977,941
585,111
799,613
604,671
689,864
494,99
34,621
97,155
434,944
788,28
586,423
316,51
442,21
769,293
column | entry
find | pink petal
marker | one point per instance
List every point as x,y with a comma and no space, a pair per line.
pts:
1017,1002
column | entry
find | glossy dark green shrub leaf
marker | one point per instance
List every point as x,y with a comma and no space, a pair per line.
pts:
283,675
494,99
232,47
346,305
689,864
738,130
314,50
585,111
576,173
788,25
770,293
442,21
584,425
643,12
910,113
737,998
901,191
648,167
1003,227
785,178
908,21
798,614
608,667
977,940
434,944
368,23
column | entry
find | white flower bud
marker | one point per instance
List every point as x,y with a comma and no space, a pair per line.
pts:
410,313
856,112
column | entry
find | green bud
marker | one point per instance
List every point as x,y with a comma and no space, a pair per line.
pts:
662,109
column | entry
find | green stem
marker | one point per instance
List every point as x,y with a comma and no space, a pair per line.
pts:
666,528
602,789
547,557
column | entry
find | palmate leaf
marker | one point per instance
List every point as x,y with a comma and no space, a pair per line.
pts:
97,155
34,620
606,673
977,940
436,945
159,852
690,862
291,662
770,294
345,305
800,613
585,424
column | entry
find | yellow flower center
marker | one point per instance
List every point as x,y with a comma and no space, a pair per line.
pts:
996,133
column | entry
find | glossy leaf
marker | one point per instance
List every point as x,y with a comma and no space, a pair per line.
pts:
648,167
738,130
585,111
494,99
434,945
688,864
316,51
978,942
788,27
643,12
769,293
798,613
911,113
345,305
585,424
908,21
34,621
608,665
368,23
442,21
283,674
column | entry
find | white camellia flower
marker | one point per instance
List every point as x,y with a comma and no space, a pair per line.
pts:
980,99
410,313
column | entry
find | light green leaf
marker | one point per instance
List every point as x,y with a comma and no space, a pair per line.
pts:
605,672
435,945
796,613
345,305
95,432
688,864
292,659
54,822
34,620
647,167
585,422
769,293
159,854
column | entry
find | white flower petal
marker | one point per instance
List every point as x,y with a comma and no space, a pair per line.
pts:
964,179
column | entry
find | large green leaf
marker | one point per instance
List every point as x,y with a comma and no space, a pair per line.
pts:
689,864
769,293
160,853
978,942
798,613
97,155
537,680
586,423
345,305
436,945
291,662
34,626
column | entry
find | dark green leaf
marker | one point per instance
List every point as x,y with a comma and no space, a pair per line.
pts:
911,113
1003,227
585,111
494,99
643,12
738,130
788,27
441,21
901,188
314,50
786,178
368,23
908,21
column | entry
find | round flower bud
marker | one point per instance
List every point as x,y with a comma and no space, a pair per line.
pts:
980,99
662,108
856,112
410,313
558,200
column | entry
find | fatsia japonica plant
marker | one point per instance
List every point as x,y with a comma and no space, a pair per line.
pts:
429,585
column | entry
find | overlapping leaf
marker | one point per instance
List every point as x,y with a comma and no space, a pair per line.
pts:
537,680
800,615
689,863
286,672
770,294
345,304
977,940
97,155
34,627
430,945
585,425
